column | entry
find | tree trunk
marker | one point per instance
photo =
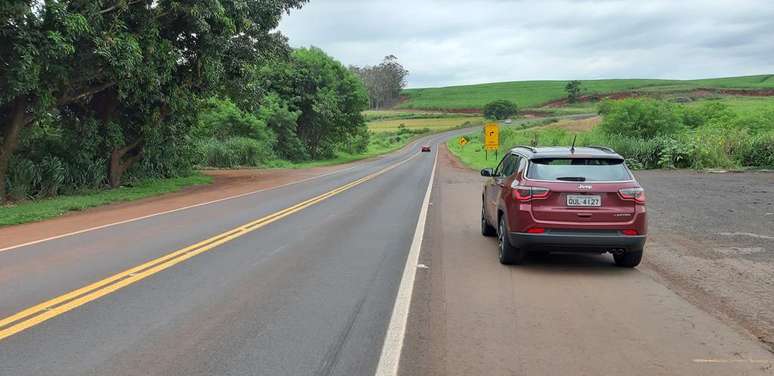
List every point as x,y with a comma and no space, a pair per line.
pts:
9,131
120,161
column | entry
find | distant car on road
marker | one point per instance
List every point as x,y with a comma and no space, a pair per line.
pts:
564,199
508,121
425,148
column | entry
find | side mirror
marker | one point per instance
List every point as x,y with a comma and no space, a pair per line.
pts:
487,172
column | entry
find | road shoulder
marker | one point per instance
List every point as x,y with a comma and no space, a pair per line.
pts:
561,315
226,184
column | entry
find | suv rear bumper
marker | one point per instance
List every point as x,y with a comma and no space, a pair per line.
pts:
578,241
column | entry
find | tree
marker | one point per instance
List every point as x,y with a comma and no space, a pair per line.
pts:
574,90
384,82
130,64
283,122
328,97
500,110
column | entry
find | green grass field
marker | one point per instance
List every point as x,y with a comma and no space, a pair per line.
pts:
528,94
741,105
31,211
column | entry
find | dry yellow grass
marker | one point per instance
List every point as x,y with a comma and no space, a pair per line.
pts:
575,126
433,124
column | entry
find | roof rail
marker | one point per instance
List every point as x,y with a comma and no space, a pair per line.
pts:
530,148
603,148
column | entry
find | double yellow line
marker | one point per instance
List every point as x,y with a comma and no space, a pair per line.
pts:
49,309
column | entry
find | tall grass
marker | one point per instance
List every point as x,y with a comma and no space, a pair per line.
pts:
234,152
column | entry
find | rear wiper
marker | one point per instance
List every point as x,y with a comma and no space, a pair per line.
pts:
571,178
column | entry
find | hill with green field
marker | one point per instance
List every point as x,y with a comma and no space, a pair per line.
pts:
529,94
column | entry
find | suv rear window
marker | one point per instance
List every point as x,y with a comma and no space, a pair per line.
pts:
578,169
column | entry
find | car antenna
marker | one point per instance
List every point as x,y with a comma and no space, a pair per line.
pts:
572,148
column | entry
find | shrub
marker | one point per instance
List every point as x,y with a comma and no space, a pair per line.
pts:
643,118
52,177
708,113
89,175
500,110
757,151
23,178
234,152
222,119
755,123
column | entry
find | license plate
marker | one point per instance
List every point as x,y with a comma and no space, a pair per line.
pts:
584,200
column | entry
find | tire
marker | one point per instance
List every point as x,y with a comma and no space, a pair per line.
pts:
628,259
486,229
509,255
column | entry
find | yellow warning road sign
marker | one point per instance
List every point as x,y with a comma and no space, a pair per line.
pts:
491,136
462,141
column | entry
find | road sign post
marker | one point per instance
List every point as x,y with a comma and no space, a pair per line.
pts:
462,141
491,139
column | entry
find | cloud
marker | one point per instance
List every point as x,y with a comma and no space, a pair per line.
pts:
450,42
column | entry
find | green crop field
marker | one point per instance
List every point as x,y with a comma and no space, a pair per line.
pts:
528,94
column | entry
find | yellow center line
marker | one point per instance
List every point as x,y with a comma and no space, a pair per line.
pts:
39,313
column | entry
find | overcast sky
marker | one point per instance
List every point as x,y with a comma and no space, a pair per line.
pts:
451,42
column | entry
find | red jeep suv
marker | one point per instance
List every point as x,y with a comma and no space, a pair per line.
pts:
563,199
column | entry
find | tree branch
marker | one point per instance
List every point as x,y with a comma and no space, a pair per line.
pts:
129,147
114,7
87,92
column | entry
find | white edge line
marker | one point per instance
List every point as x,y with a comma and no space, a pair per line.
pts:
170,211
389,360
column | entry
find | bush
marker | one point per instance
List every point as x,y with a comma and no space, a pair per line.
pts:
283,123
500,110
699,116
234,152
52,177
755,123
23,178
642,118
222,119
757,151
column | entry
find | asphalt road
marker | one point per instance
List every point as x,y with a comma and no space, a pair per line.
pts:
304,279
308,294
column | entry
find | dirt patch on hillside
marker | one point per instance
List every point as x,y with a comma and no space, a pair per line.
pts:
693,94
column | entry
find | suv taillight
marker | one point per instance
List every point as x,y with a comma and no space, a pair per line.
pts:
633,194
524,193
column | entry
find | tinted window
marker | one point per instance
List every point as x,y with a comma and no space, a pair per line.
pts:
511,165
578,169
499,169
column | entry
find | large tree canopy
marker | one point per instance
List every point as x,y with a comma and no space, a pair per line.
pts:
133,66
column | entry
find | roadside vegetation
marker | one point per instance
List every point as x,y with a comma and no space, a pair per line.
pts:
653,133
30,211
103,100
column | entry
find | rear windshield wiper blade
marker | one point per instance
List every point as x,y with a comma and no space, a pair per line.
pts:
571,178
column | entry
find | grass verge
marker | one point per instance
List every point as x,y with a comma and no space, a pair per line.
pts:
31,211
